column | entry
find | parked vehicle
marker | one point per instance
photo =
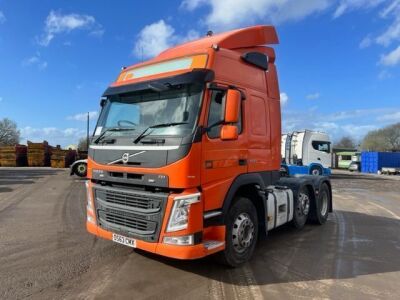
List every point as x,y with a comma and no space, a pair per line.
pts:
306,152
345,158
355,166
185,158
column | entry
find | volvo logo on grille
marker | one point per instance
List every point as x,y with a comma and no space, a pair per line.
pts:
125,158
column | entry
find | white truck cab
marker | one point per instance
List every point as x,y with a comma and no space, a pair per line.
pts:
307,148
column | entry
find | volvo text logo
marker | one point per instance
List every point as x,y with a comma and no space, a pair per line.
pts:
125,158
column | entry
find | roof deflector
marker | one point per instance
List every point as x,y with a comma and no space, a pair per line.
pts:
247,37
240,38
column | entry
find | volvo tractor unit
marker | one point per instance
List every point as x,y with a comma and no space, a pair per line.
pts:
185,158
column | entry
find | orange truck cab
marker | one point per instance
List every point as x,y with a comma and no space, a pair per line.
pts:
185,158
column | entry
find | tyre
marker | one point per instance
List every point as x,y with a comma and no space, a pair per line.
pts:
284,170
81,169
301,208
320,208
316,171
241,233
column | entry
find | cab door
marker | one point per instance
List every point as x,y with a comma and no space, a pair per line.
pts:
222,160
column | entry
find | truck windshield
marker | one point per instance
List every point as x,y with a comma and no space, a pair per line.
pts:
139,110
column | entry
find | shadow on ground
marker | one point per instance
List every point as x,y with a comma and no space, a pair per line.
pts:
350,244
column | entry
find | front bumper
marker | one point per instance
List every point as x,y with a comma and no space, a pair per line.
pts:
154,209
173,251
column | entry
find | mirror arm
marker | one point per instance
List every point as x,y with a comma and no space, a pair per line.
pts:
207,129
215,87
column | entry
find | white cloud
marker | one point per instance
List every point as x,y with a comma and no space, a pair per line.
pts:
354,123
56,23
157,37
229,14
83,116
2,17
192,4
366,42
392,58
55,136
391,34
313,96
349,5
395,117
35,60
284,99
384,74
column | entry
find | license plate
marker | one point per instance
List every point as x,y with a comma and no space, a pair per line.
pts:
124,240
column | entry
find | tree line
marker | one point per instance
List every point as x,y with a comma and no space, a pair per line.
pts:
384,139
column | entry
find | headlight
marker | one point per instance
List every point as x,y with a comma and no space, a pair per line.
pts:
180,211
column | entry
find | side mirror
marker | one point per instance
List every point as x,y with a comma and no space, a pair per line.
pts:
103,102
232,103
229,132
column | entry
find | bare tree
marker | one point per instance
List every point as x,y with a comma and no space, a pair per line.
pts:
346,142
82,144
9,134
385,139
392,134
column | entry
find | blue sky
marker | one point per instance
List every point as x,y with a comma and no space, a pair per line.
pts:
338,60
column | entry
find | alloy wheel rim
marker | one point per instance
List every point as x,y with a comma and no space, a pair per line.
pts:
303,206
243,233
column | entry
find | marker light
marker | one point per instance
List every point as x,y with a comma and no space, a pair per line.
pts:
172,65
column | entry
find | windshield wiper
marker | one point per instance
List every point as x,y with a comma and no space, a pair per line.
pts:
143,134
113,129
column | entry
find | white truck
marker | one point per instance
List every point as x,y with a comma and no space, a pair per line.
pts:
306,152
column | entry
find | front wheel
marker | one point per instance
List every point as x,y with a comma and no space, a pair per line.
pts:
81,169
241,233
316,171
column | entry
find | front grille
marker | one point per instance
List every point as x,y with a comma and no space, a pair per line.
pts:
128,221
134,200
133,213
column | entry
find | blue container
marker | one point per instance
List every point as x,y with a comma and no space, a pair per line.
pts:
372,162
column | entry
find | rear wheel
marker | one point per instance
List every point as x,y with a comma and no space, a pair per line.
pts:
320,209
301,208
241,233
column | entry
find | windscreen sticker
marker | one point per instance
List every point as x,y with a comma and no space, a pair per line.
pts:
98,130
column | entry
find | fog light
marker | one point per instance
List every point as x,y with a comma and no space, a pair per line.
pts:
179,240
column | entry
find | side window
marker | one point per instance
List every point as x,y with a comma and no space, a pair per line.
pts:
322,146
216,114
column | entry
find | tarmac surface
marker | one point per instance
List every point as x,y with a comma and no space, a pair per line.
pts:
45,252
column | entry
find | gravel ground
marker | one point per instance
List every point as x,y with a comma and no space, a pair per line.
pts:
45,252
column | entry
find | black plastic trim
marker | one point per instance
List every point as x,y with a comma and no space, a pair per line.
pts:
196,76
257,59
